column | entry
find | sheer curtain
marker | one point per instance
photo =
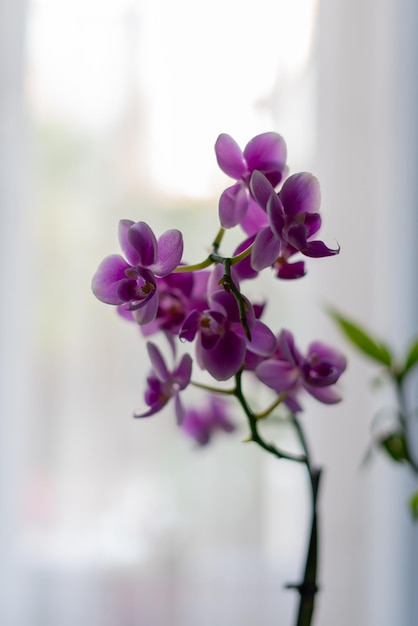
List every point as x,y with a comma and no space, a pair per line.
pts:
108,521
367,147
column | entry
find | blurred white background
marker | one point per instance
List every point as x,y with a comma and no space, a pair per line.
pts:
110,109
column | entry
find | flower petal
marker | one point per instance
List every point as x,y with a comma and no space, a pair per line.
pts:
317,249
263,341
290,271
226,358
278,375
190,326
313,223
301,194
229,156
265,250
154,408
130,253
170,251
106,280
255,218
233,205
178,407
261,188
296,235
142,239
157,361
287,348
327,395
243,269
267,153
183,372
148,312
276,215
196,426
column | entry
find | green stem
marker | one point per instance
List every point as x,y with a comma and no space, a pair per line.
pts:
206,262
266,413
229,392
242,255
253,424
217,241
307,589
193,268
228,282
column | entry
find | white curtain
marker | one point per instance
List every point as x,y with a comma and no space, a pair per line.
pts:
109,521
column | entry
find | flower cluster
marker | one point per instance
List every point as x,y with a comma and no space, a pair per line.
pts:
203,304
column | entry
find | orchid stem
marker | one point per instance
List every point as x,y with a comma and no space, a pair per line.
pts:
255,435
276,403
229,392
308,588
228,282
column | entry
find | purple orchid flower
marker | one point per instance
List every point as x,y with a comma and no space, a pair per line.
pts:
221,340
202,423
132,283
163,384
289,371
179,293
265,153
293,219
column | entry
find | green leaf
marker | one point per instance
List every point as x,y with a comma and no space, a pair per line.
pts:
411,358
413,504
395,446
360,338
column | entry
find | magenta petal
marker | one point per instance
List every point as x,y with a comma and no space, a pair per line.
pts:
190,326
287,347
229,156
224,304
301,194
233,205
154,408
312,223
130,253
142,239
170,251
261,188
278,375
275,214
324,365
290,271
265,251
148,312
226,358
327,395
127,291
317,249
127,315
296,235
183,372
263,341
243,269
106,280
318,351
266,152
209,340
255,218
178,408
157,362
